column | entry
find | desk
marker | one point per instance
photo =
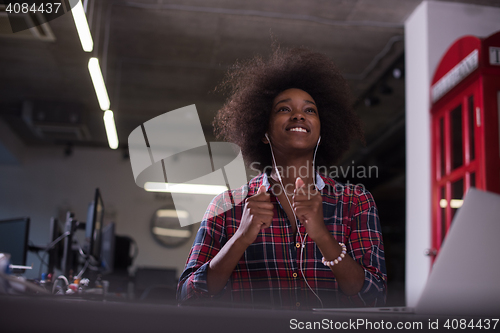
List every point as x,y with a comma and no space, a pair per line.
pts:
37,314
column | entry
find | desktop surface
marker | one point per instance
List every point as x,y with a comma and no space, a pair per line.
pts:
62,314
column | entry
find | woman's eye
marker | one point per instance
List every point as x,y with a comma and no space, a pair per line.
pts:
311,110
282,109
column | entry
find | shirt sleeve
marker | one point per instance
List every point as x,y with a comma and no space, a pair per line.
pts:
208,242
367,249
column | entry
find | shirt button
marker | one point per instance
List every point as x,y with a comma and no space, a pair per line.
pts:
297,304
294,275
297,245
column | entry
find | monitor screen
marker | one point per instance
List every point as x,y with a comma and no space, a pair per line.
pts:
108,248
14,239
93,228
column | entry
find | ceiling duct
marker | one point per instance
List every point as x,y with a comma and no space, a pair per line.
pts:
56,121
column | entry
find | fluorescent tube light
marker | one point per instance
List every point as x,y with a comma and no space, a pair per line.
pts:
184,188
443,203
98,81
454,203
172,232
82,27
109,124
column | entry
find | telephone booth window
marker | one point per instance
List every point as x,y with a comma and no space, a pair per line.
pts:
457,194
470,111
442,148
465,121
442,223
456,137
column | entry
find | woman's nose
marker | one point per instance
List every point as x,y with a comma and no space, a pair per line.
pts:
297,115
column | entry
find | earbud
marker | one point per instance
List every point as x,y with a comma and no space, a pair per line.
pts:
319,139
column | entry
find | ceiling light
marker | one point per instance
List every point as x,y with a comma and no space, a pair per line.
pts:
172,232
109,124
456,203
98,81
172,213
184,188
82,27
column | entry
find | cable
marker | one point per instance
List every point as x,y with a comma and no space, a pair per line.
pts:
57,240
314,159
301,271
79,276
302,240
48,248
41,262
60,277
81,252
90,262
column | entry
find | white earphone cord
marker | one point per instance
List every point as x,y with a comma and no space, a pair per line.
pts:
302,240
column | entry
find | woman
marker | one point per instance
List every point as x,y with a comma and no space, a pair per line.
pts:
297,239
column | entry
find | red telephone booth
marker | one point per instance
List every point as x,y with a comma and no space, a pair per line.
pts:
465,95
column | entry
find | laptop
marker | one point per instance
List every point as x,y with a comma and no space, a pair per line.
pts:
465,278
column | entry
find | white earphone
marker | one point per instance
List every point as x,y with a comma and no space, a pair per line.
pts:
302,239
314,158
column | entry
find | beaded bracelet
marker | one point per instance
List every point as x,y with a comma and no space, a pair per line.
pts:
336,261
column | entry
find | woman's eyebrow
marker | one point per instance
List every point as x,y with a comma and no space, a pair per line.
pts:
282,101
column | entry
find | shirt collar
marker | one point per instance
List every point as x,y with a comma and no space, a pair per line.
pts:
319,181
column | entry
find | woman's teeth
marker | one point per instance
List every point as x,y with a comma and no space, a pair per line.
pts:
297,129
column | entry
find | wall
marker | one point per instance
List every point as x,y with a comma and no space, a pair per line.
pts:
429,31
46,183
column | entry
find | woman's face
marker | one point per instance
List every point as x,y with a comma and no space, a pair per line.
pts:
294,124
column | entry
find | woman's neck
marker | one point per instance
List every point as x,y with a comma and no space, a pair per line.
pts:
290,169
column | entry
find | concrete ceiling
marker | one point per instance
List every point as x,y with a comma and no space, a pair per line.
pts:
159,55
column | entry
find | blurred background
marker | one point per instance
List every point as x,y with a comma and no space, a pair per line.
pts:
159,55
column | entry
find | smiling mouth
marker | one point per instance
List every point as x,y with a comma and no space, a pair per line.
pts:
298,129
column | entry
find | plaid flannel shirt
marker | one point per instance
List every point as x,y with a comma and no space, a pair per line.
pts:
269,273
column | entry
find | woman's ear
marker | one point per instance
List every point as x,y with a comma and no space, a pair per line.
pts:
265,139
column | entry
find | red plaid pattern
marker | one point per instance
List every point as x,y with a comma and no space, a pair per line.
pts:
268,274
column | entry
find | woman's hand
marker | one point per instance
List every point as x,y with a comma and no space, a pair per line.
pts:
308,206
257,214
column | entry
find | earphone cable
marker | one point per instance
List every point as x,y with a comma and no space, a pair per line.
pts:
302,240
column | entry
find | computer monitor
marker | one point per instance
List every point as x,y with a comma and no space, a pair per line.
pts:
108,248
14,239
93,227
